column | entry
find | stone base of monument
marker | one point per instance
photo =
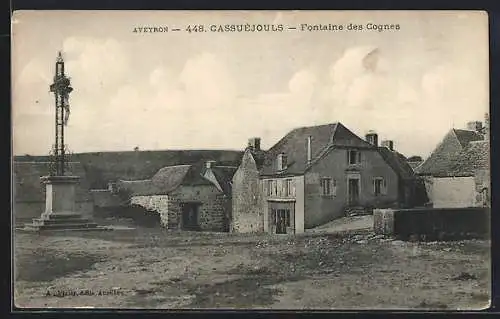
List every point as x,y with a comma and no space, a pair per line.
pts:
60,212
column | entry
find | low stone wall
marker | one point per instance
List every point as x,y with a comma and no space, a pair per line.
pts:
154,203
433,223
104,198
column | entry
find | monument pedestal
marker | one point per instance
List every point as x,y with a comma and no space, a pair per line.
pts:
60,207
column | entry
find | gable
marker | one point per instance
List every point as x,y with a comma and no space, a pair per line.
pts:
441,159
295,146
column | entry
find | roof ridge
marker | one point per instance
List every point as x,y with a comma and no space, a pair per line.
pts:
311,126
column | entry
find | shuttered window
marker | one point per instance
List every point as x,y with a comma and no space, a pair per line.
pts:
379,186
328,187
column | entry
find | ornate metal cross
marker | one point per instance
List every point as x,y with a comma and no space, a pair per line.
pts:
61,89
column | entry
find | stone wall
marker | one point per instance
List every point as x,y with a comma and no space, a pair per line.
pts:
433,223
157,203
104,198
212,209
247,212
213,206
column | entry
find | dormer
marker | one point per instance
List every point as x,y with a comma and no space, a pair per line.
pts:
281,161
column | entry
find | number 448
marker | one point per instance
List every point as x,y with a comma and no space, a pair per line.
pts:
195,28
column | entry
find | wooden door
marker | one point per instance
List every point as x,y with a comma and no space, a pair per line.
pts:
190,216
353,187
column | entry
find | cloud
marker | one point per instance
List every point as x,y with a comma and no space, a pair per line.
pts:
207,81
168,108
98,66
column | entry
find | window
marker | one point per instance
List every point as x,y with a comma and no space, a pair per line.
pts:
328,187
282,215
288,187
353,157
379,186
281,159
269,187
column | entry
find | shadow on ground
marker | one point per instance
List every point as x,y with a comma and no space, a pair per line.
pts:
46,265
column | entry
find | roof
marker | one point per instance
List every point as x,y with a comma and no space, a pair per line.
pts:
397,162
165,181
466,136
414,164
294,145
224,176
441,159
475,157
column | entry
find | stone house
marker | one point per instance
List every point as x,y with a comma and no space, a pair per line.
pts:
312,176
185,196
457,172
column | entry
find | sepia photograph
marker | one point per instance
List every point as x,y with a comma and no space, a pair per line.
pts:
258,160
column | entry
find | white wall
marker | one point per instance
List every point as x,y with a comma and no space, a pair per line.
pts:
453,192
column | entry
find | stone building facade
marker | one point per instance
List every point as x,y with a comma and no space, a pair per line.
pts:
183,198
312,176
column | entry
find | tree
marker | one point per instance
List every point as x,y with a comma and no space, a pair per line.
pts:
136,148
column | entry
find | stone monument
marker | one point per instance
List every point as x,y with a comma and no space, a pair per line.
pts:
60,188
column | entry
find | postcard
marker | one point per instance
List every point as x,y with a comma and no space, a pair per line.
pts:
297,160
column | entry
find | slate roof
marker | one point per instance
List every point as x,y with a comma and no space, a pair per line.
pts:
397,162
294,145
224,176
475,157
165,181
465,136
440,162
414,164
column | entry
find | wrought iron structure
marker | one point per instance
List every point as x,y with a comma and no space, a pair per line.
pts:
61,89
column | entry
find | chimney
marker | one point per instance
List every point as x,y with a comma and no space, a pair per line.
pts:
309,151
475,126
254,143
209,164
372,138
388,143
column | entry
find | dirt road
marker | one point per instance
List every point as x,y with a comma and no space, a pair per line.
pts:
153,268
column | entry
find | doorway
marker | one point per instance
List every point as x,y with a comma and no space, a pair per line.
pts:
353,191
282,218
190,212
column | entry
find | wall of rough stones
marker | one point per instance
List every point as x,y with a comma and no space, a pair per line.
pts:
247,211
158,203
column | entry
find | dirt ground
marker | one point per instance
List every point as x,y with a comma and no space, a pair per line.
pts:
155,268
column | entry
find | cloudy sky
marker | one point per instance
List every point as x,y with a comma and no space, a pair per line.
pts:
180,90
